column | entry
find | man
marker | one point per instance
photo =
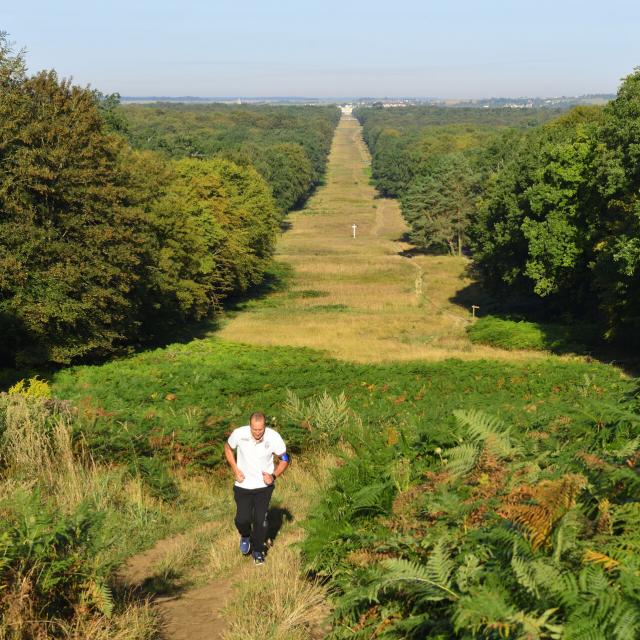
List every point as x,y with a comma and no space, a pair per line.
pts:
255,474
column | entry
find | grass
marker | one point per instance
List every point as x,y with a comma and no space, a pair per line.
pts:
180,402
58,509
368,276
68,521
284,604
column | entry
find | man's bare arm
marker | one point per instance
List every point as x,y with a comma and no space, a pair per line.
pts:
279,470
231,459
282,465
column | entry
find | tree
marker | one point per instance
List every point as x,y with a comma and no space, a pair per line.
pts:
438,204
70,252
233,209
616,262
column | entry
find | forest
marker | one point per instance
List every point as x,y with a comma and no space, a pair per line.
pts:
288,145
109,240
546,204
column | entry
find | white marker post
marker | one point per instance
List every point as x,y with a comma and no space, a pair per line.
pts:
354,227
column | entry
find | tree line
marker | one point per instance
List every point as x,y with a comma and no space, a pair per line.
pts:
288,145
547,204
104,245
434,159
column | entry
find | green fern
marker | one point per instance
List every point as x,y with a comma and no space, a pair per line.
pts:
468,573
428,582
462,459
626,450
488,431
370,498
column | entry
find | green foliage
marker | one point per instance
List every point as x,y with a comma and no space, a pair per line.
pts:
558,219
70,250
234,213
288,145
103,247
155,475
504,532
325,418
438,204
435,160
520,334
214,387
53,552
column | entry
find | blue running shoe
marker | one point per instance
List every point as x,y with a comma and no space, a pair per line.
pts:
245,545
258,557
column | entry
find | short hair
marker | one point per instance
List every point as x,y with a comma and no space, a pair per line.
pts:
258,416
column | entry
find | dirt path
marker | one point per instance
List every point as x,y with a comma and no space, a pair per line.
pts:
202,587
192,614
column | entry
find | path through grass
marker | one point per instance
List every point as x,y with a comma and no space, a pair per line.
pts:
365,304
367,299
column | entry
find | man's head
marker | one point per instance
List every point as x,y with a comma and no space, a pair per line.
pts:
257,424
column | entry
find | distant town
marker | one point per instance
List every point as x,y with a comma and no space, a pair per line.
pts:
392,102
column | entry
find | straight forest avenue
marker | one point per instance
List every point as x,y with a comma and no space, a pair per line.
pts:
364,299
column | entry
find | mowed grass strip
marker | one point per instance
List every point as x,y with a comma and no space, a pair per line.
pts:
397,307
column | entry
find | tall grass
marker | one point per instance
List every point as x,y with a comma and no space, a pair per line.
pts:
279,602
59,509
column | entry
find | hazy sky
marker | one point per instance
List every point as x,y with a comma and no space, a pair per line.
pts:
463,48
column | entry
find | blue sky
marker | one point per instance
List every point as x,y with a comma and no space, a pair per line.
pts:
449,49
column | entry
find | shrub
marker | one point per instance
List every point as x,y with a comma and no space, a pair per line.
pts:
31,388
155,475
323,417
50,558
511,334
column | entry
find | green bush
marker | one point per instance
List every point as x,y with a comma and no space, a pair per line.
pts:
156,477
512,334
55,554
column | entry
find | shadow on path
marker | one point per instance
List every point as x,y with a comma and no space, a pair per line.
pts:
277,516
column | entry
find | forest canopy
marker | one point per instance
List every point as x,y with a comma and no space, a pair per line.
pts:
105,244
546,203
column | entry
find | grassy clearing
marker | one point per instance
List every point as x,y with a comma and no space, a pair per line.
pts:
385,303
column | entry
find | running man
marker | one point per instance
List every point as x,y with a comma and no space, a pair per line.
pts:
255,474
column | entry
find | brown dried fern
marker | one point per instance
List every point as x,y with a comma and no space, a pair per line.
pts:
536,508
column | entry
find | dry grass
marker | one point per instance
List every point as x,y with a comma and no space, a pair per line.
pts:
278,604
137,622
37,449
397,308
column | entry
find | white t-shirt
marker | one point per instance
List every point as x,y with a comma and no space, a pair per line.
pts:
255,457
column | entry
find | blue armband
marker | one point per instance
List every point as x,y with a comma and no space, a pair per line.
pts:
284,457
